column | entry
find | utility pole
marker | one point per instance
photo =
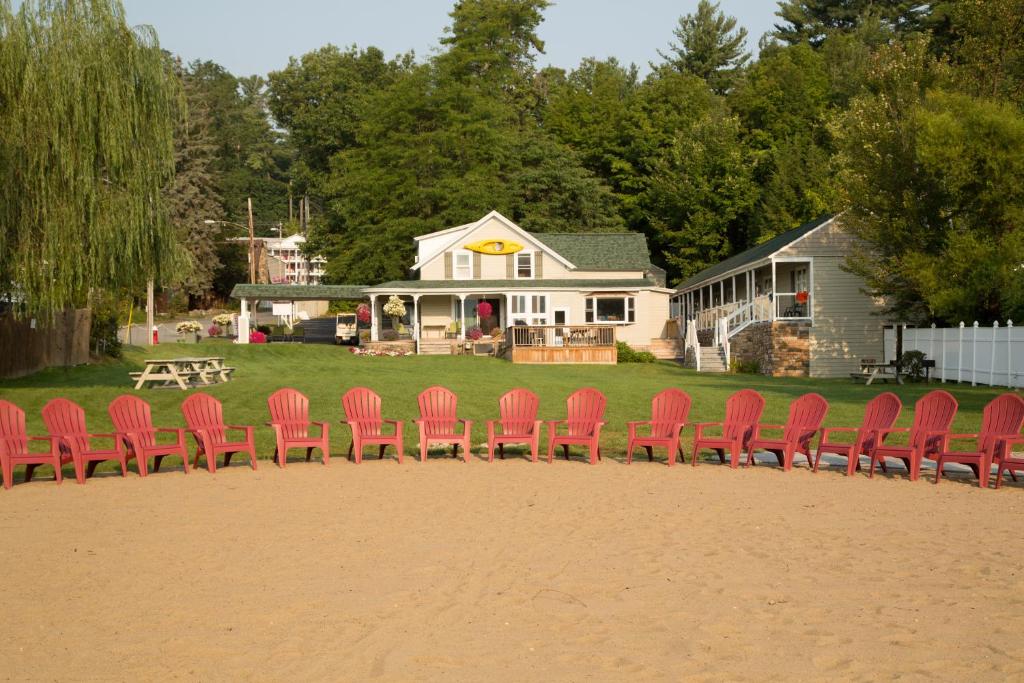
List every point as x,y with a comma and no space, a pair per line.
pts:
305,225
149,312
252,247
290,216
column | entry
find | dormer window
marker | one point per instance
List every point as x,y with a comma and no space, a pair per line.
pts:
524,265
463,265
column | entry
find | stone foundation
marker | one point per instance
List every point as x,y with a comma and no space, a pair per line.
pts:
780,348
400,345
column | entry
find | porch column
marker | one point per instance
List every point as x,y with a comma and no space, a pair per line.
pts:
374,319
243,323
503,318
416,320
775,297
734,299
462,317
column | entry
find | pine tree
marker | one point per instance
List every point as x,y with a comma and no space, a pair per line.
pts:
710,46
812,20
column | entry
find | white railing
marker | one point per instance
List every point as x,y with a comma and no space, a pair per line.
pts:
722,338
692,342
967,353
758,310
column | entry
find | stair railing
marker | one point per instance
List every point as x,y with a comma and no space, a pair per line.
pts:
723,339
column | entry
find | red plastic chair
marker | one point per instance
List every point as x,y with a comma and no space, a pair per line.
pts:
133,423
205,419
439,421
1008,462
669,411
742,413
1002,420
289,418
519,423
363,416
14,450
584,419
933,414
65,420
806,414
881,412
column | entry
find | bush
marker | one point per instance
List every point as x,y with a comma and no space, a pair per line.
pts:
257,337
627,354
103,333
213,331
750,367
912,363
265,329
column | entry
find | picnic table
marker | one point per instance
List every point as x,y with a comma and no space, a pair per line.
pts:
870,371
182,372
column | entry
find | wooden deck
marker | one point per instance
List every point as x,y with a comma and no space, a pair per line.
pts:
555,344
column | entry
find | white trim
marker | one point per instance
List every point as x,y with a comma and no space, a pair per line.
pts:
563,309
443,232
455,265
537,244
540,286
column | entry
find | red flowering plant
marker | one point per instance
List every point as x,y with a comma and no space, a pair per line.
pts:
484,310
363,313
213,331
257,337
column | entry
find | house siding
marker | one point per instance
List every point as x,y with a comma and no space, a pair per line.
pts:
846,325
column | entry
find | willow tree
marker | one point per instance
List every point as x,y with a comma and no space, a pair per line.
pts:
87,112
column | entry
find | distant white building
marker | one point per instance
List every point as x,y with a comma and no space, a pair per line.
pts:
286,263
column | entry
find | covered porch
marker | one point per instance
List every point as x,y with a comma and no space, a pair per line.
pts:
774,289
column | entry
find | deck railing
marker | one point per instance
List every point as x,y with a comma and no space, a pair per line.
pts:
561,336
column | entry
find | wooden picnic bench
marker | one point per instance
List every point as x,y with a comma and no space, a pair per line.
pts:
182,372
871,370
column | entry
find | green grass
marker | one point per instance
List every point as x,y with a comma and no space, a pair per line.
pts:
324,373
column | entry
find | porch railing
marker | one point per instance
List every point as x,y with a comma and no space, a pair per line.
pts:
560,336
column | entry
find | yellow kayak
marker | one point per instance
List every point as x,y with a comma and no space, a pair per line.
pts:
496,247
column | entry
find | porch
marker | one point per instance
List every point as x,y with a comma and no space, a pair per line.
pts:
541,344
777,289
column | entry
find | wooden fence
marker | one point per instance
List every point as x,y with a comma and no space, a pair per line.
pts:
967,353
30,345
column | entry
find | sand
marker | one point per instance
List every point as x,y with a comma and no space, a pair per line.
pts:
510,571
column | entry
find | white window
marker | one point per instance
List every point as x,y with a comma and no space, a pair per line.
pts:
462,265
524,265
529,309
611,310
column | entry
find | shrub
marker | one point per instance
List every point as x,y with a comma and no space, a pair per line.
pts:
912,363
751,367
213,331
103,333
627,354
257,337
265,329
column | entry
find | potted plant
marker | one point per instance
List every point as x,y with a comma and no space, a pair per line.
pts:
189,329
394,309
224,321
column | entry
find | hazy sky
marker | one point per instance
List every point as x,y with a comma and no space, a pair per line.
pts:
257,36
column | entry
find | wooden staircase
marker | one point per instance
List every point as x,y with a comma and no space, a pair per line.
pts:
436,347
667,349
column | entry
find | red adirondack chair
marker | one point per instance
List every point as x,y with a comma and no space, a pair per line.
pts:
439,422
933,414
133,423
1001,420
518,423
880,413
806,414
1008,461
289,418
363,416
584,419
742,413
669,411
65,420
14,447
205,419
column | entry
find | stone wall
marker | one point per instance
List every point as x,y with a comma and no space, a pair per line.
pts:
753,345
780,348
791,349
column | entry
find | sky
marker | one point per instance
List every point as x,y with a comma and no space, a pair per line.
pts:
257,36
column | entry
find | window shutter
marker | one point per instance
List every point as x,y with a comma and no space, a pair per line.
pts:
510,266
447,265
476,266
538,265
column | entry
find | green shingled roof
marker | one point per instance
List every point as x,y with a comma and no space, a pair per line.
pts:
754,254
298,292
600,250
503,285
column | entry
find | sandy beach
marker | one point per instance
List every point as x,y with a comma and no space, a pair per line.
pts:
510,571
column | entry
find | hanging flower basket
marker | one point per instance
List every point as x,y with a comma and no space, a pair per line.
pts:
801,297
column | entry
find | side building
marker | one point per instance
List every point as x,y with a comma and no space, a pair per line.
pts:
786,306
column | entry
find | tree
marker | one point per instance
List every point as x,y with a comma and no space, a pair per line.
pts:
192,196
710,46
87,117
933,180
988,46
812,21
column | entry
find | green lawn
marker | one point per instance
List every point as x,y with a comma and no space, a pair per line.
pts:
324,373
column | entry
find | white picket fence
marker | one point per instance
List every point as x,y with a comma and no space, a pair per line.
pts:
968,353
